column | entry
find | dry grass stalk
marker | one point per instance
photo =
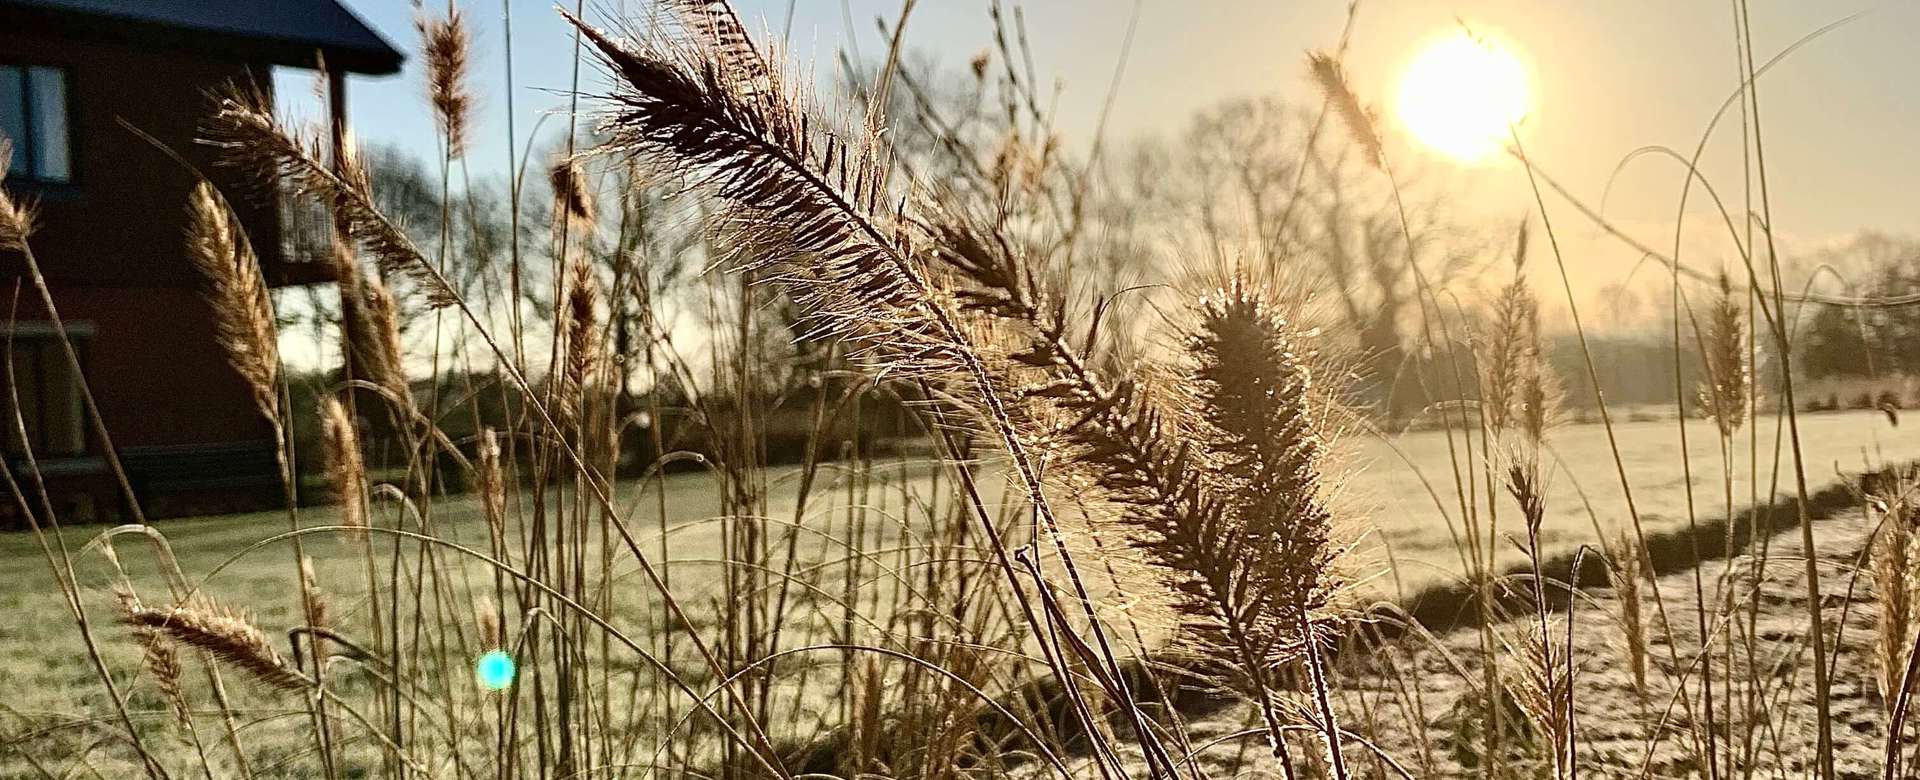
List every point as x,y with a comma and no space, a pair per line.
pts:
1729,372
243,311
346,470
1361,124
445,45
229,636
318,610
492,485
1896,576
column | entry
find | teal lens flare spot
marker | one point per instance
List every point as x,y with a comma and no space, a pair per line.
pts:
494,670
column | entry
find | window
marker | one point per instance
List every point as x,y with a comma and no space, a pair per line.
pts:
48,394
33,114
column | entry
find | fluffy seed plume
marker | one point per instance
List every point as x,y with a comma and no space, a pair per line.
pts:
1500,352
375,346
1361,124
346,469
229,636
1261,427
1729,373
253,141
1896,578
243,311
572,201
1629,573
1222,493
1255,384
486,616
16,217
444,44
1518,389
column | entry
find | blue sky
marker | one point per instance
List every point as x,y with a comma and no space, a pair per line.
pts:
1609,78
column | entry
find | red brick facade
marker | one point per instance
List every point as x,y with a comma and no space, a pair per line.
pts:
110,242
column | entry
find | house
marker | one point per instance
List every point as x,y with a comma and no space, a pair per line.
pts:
74,76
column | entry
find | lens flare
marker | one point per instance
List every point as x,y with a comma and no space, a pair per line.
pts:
494,670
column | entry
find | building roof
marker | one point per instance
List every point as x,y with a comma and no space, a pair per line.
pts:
283,32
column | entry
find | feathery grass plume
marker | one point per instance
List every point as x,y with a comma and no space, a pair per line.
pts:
253,141
1896,576
583,300
1540,392
1224,495
375,345
731,48
243,311
1265,432
572,200
16,217
1524,484
229,636
1629,574
805,206
583,297
346,469
1331,76
445,44
486,616
156,655
809,207
1501,352
1542,689
1729,375
491,484
1265,427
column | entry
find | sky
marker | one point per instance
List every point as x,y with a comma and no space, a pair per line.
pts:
1607,78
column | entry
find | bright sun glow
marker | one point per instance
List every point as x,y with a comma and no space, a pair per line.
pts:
1461,93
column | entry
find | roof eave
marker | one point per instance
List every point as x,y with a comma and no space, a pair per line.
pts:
227,45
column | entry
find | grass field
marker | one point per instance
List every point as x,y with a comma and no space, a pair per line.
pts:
51,684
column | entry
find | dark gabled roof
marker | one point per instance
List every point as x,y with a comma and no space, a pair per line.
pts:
282,32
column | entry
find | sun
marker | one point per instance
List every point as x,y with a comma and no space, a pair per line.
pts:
1462,93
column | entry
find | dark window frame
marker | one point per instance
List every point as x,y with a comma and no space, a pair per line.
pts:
25,173
40,345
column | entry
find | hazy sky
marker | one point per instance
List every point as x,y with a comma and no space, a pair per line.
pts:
1608,78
